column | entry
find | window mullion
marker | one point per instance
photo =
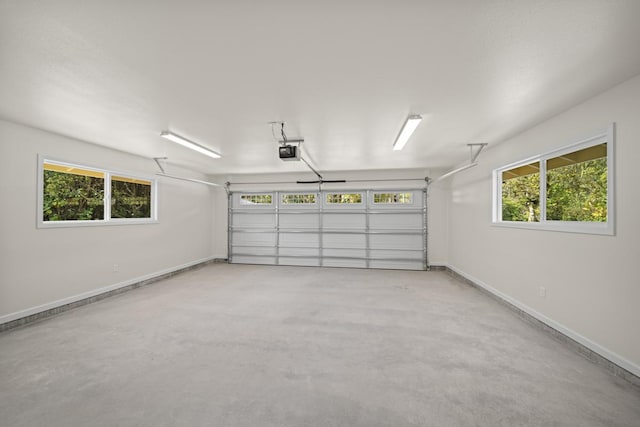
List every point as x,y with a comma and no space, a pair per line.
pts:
107,196
543,189
497,195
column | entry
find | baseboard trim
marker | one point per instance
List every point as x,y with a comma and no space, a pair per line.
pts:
22,317
614,363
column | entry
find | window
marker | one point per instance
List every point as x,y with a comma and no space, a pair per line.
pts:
130,197
256,199
577,185
521,193
298,199
393,198
344,198
71,194
570,189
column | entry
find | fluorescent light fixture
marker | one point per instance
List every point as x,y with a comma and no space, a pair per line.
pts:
408,128
460,169
189,144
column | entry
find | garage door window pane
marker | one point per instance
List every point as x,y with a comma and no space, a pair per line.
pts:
344,198
256,199
298,199
393,198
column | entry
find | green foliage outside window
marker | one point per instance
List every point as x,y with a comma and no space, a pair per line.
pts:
72,197
576,188
130,199
578,192
75,193
521,198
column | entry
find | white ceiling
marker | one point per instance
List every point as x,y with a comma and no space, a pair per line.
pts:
343,74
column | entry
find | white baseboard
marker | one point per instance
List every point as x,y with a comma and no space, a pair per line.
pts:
64,301
591,345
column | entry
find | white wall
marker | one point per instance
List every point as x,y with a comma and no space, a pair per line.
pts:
437,202
593,289
41,266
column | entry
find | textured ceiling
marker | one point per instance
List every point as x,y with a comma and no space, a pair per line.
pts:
343,74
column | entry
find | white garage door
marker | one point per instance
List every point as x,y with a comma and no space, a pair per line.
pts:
363,228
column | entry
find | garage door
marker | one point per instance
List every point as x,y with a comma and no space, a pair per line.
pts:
363,228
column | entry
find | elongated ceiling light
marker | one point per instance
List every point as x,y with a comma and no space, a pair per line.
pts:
408,128
189,144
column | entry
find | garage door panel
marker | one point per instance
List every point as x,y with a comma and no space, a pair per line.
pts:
243,259
399,254
305,262
254,250
347,253
254,239
344,221
297,221
344,241
308,252
334,262
300,240
261,220
396,241
397,265
395,221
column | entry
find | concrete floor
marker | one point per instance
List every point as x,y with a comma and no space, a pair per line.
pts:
231,345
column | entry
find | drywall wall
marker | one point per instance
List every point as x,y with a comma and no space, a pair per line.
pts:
41,266
592,288
437,201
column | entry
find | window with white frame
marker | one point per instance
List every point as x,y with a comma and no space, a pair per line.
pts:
570,189
71,194
130,197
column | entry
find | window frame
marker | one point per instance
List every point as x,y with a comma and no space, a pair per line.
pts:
606,228
108,173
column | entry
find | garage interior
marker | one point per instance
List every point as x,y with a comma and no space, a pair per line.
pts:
296,213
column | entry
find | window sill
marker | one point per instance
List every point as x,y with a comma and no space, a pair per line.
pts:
561,226
71,224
